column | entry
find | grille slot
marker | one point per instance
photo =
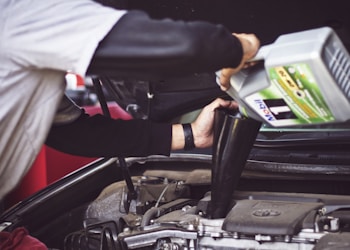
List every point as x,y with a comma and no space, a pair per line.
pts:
338,64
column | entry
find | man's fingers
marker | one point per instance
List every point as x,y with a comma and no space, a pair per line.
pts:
225,78
221,103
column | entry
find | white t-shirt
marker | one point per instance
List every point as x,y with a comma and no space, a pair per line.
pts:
39,42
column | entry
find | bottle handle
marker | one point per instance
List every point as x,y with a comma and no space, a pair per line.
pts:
237,80
262,53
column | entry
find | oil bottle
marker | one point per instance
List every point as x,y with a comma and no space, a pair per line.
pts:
303,79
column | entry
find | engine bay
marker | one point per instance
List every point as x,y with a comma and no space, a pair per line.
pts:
174,213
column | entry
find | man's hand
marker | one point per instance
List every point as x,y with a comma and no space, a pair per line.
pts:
202,127
250,44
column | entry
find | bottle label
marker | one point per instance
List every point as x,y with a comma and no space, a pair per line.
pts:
293,98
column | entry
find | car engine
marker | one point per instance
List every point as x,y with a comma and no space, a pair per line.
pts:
164,216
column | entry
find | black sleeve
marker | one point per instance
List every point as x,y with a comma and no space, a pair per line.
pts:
100,136
140,46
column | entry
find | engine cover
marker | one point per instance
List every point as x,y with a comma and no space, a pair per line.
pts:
270,217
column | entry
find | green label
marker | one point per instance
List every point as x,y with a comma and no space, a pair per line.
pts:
292,98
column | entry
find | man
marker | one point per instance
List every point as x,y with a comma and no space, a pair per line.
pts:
42,40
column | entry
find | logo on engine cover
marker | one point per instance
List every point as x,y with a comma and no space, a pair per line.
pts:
266,213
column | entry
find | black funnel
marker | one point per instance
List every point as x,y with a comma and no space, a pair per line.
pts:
234,137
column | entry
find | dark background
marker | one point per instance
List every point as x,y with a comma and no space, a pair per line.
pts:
266,18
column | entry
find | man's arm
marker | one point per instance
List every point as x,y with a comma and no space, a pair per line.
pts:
140,46
101,136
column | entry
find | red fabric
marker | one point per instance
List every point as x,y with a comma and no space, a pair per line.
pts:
61,164
19,239
32,182
115,110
